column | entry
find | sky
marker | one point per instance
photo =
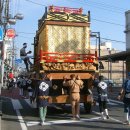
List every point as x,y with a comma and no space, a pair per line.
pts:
107,17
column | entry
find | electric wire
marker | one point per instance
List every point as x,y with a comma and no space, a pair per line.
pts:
102,5
25,37
108,22
113,40
92,18
118,41
99,7
27,33
35,3
96,3
106,5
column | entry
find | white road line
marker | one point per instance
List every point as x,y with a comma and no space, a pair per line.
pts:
28,102
16,104
91,119
22,123
97,113
119,102
114,101
32,123
115,120
110,103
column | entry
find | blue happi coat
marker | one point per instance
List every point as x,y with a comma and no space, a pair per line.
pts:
43,90
126,87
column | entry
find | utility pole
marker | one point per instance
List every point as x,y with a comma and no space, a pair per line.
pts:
13,56
109,65
1,24
99,42
97,35
4,24
123,75
1,11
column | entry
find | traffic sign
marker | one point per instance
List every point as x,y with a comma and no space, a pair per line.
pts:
1,35
10,33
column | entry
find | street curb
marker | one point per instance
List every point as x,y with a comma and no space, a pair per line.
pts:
0,108
0,112
0,123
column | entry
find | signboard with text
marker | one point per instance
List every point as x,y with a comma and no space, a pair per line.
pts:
1,34
10,33
65,10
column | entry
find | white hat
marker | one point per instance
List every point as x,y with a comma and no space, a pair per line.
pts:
24,44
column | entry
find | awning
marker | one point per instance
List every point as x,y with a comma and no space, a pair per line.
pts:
117,56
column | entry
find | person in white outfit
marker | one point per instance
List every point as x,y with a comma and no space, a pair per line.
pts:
103,97
24,56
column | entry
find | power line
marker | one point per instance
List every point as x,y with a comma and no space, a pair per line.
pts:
105,9
108,22
107,5
101,38
35,3
25,37
113,40
82,3
99,7
27,33
102,5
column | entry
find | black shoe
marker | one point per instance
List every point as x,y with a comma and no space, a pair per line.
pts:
107,117
30,100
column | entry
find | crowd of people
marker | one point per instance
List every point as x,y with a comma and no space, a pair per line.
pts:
40,93
24,83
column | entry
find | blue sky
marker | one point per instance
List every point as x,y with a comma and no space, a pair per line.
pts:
107,17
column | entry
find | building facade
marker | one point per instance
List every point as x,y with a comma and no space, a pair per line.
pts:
113,70
127,32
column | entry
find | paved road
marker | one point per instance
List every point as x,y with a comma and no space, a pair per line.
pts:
19,114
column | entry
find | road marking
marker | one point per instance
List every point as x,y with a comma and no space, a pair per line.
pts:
22,123
115,120
16,104
110,103
97,113
119,102
32,123
113,102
